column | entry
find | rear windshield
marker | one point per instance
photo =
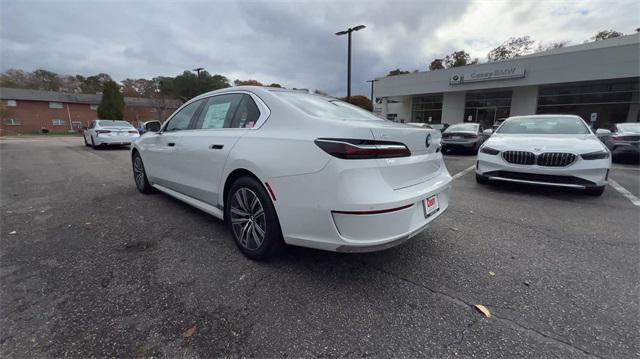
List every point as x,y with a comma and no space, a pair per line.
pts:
114,123
545,125
463,127
325,107
629,127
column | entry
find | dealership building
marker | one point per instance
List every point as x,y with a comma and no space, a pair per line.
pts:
597,81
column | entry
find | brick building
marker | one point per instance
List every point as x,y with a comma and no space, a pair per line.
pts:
31,111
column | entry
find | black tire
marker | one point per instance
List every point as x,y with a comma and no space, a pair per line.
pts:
140,175
254,226
93,144
85,140
481,179
595,191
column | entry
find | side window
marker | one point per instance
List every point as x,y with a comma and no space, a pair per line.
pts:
218,111
247,113
181,120
93,124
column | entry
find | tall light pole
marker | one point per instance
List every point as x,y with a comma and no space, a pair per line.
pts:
372,81
348,32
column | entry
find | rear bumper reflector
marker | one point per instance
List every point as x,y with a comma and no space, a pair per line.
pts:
374,212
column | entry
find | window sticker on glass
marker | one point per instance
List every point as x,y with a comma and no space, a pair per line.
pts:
215,116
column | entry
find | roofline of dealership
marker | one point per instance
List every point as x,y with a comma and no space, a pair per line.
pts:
623,62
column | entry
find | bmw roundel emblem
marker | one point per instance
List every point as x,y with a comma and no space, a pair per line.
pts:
456,77
427,142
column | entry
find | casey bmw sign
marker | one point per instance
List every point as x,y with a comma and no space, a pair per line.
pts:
510,72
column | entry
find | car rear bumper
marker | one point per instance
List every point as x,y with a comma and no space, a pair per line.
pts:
354,213
580,174
630,148
115,140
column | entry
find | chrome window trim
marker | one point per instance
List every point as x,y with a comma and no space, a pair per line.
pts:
265,112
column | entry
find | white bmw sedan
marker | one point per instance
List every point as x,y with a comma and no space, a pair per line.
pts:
109,133
555,150
286,167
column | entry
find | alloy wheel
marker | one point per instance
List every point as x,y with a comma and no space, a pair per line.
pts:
248,219
138,172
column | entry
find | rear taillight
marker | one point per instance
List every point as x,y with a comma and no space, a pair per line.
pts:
102,131
350,149
133,131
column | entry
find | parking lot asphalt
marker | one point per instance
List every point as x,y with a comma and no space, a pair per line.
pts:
91,267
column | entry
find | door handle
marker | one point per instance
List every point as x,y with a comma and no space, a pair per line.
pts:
171,144
216,147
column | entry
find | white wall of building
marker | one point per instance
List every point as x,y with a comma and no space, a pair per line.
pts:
524,100
453,107
600,60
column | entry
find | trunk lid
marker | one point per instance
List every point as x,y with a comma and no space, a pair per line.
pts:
424,162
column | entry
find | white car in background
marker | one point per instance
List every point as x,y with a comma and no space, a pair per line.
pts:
282,166
554,150
109,133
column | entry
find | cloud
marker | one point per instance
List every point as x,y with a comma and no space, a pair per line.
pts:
289,42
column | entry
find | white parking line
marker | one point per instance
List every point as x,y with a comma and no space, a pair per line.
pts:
463,172
624,192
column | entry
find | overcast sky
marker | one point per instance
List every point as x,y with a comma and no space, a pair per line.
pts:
289,42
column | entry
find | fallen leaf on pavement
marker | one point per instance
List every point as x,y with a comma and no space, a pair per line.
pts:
189,332
482,309
492,273
453,229
13,232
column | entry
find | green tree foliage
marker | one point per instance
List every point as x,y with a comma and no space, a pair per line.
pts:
606,34
189,85
139,88
514,47
436,64
247,83
459,58
397,72
93,84
16,79
275,85
361,101
112,104
46,80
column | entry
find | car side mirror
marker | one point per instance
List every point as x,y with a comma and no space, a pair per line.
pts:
601,132
152,126
487,132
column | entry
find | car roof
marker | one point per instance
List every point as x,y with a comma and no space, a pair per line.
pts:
544,116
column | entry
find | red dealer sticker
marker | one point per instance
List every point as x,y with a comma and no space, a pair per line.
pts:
430,205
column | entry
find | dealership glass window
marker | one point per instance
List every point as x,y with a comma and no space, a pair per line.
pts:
57,122
76,125
56,105
426,108
485,107
609,101
11,103
12,122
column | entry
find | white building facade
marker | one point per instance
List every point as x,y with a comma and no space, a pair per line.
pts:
598,81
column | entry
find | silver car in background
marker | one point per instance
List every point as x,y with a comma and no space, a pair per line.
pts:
109,133
463,136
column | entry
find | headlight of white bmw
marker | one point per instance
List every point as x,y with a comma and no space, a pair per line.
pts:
489,150
597,155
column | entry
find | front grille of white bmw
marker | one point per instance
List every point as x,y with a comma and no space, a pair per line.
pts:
519,157
555,159
547,159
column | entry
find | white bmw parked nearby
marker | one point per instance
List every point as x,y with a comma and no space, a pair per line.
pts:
555,150
109,133
288,167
